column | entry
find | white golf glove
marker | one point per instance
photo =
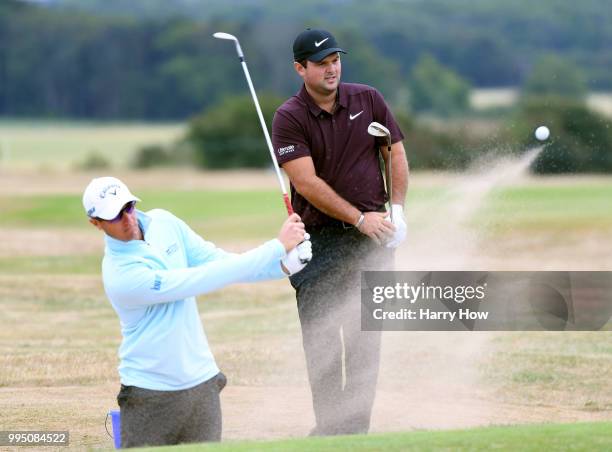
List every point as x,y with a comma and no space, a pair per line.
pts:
400,227
299,256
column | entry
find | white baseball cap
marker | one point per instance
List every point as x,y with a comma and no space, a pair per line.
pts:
104,197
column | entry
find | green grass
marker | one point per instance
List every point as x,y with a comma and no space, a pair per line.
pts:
215,214
57,144
575,205
191,206
551,207
255,213
575,437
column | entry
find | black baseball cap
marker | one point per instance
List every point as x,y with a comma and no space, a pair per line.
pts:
314,45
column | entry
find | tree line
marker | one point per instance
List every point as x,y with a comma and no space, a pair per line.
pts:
156,60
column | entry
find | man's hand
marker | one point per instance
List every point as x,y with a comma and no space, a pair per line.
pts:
298,257
400,227
377,227
292,232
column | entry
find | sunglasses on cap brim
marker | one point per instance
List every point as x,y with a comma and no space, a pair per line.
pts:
128,208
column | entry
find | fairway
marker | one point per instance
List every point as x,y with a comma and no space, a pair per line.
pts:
59,343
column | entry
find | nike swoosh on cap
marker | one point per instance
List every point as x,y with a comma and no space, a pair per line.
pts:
351,117
318,44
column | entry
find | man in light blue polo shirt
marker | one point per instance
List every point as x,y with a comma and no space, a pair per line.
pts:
154,265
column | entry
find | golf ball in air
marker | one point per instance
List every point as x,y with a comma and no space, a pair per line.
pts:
542,133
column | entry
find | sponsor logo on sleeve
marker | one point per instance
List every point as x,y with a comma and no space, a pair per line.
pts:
157,283
286,150
171,249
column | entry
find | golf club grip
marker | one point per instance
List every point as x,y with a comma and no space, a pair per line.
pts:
287,204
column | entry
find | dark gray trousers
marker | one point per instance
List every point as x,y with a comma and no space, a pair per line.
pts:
156,418
328,299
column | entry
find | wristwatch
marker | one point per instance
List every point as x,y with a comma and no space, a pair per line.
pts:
360,221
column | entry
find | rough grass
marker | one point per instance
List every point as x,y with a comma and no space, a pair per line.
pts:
59,330
548,368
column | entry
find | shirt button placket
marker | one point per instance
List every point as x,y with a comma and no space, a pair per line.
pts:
332,136
332,123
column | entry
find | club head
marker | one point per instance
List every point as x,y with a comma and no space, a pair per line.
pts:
221,35
378,130
228,37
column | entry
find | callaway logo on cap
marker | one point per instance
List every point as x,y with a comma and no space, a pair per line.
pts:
104,197
314,45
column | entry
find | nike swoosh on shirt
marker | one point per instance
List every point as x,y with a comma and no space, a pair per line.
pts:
317,44
351,117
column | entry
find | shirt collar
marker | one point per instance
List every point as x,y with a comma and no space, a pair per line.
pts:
312,105
114,244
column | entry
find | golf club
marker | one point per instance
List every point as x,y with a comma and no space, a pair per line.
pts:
378,130
281,181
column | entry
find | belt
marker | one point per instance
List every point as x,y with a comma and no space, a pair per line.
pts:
333,225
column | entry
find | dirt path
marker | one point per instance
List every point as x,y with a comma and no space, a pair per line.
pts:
281,412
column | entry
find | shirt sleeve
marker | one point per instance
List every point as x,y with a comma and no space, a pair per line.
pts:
198,250
288,138
383,115
136,284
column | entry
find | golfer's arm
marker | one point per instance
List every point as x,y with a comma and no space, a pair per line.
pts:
138,285
303,176
399,167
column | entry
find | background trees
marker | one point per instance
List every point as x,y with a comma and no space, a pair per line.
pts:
156,60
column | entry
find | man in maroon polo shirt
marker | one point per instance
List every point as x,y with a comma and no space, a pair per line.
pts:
321,140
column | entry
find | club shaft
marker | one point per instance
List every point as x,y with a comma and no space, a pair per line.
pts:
390,183
281,181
